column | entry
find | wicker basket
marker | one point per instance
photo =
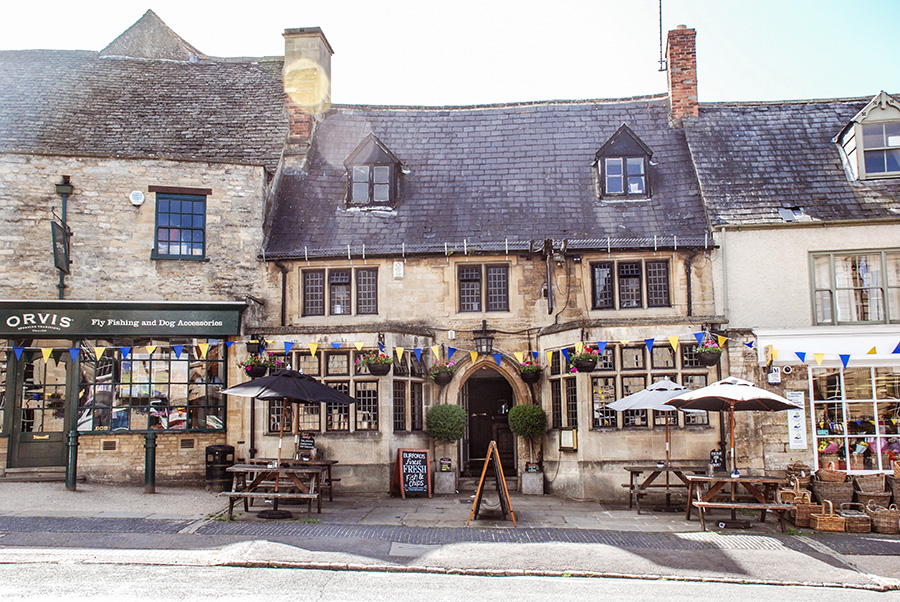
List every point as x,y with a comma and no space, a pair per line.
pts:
897,469
837,493
871,487
857,521
799,471
830,475
787,496
827,520
894,487
803,507
884,520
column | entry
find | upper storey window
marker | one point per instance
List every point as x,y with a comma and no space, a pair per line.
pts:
623,167
870,143
372,175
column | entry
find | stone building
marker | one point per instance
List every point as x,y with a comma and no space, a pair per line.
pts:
805,194
150,163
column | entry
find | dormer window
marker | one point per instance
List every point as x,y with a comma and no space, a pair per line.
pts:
372,175
623,167
870,143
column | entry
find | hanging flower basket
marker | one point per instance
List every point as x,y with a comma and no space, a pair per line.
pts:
442,378
709,353
256,371
530,372
258,365
379,369
585,365
378,364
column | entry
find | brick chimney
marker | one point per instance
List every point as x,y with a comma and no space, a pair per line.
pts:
307,80
681,57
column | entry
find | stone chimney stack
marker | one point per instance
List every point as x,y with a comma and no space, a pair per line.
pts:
681,58
307,80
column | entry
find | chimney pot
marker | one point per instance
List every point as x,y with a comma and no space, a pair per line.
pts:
306,79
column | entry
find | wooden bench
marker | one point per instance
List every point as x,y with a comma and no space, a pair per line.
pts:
234,496
779,509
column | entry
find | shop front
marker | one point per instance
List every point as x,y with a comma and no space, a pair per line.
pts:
101,375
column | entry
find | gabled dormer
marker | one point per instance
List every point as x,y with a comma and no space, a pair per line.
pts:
372,175
870,143
623,167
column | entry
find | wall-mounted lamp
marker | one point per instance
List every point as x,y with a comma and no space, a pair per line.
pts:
484,338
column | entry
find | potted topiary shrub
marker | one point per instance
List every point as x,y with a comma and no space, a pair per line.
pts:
379,364
446,423
529,421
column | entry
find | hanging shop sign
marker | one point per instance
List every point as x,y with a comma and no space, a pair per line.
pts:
82,318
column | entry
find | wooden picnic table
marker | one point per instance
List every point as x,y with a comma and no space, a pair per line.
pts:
742,493
264,481
327,482
636,490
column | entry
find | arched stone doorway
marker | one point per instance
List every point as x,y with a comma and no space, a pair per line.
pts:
487,393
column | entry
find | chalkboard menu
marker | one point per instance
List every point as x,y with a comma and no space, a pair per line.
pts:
412,472
717,459
493,460
307,441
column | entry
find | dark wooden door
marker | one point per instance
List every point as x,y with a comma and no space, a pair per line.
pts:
38,435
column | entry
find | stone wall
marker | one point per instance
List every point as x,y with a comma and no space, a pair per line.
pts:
112,239
120,458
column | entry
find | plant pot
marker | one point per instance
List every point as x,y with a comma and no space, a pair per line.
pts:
379,369
530,377
708,359
256,371
585,365
442,378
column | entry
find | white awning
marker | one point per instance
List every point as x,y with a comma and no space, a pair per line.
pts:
831,343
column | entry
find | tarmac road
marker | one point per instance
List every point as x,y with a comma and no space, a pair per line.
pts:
43,523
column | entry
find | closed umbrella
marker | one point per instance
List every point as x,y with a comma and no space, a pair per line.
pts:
289,386
734,395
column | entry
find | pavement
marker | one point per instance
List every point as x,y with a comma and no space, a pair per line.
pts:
44,522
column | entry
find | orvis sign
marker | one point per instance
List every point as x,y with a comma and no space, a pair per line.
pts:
83,319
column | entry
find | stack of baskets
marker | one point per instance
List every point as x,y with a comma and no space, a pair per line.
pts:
827,520
832,485
856,520
803,508
800,472
871,487
884,520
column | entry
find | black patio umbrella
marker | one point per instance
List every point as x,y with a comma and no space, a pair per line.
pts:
291,387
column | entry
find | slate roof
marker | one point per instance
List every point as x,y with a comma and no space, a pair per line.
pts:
78,103
754,158
487,177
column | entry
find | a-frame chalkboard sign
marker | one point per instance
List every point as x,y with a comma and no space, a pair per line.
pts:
493,459
412,472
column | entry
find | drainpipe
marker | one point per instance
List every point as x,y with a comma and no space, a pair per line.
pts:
687,274
284,273
548,252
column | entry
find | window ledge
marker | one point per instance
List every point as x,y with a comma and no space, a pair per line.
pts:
625,199
156,257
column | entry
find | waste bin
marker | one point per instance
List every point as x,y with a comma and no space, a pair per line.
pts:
218,459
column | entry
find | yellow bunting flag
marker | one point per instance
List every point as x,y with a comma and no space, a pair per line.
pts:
673,341
98,352
624,342
473,355
436,350
151,349
578,347
872,351
774,354
204,347
819,357
721,340
549,357
520,357
46,351
400,353
359,346
313,347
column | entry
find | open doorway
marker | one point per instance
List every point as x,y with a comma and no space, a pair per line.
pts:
488,398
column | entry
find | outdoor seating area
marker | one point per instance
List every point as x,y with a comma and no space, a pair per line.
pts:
276,483
666,479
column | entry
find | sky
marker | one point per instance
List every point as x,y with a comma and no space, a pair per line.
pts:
464,52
